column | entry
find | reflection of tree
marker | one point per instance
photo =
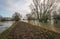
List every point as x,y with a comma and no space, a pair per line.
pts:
16,16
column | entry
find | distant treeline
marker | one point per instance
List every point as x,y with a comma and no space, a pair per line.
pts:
15,17
6,19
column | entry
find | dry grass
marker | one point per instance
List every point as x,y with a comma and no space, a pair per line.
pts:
24,30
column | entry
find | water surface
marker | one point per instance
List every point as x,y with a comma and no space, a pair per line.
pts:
5,25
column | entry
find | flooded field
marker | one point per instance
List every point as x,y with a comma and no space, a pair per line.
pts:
5,25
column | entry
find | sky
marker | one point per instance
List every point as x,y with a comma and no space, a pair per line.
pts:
8,7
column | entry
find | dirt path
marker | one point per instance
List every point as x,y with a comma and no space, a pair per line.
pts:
27,31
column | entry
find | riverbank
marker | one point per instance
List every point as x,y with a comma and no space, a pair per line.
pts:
5,25
22,30
6,32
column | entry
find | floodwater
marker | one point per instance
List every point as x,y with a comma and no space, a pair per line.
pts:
5,25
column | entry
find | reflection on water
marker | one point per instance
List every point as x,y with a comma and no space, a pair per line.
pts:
5,25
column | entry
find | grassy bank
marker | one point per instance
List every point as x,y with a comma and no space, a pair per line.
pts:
51,33
22,30
4,34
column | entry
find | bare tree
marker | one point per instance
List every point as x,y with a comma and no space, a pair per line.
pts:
30,18
16,16
44,9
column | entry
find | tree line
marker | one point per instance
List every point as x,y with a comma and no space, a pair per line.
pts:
15,17
44,11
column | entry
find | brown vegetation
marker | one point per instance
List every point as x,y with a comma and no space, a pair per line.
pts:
27,31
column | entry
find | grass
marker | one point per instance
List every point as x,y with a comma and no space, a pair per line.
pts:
4,34
46,31
57,25
49,32
28,30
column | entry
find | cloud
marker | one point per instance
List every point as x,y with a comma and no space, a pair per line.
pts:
17,6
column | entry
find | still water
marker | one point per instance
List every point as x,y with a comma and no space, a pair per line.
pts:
5,25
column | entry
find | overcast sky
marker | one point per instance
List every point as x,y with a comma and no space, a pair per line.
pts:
8,7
